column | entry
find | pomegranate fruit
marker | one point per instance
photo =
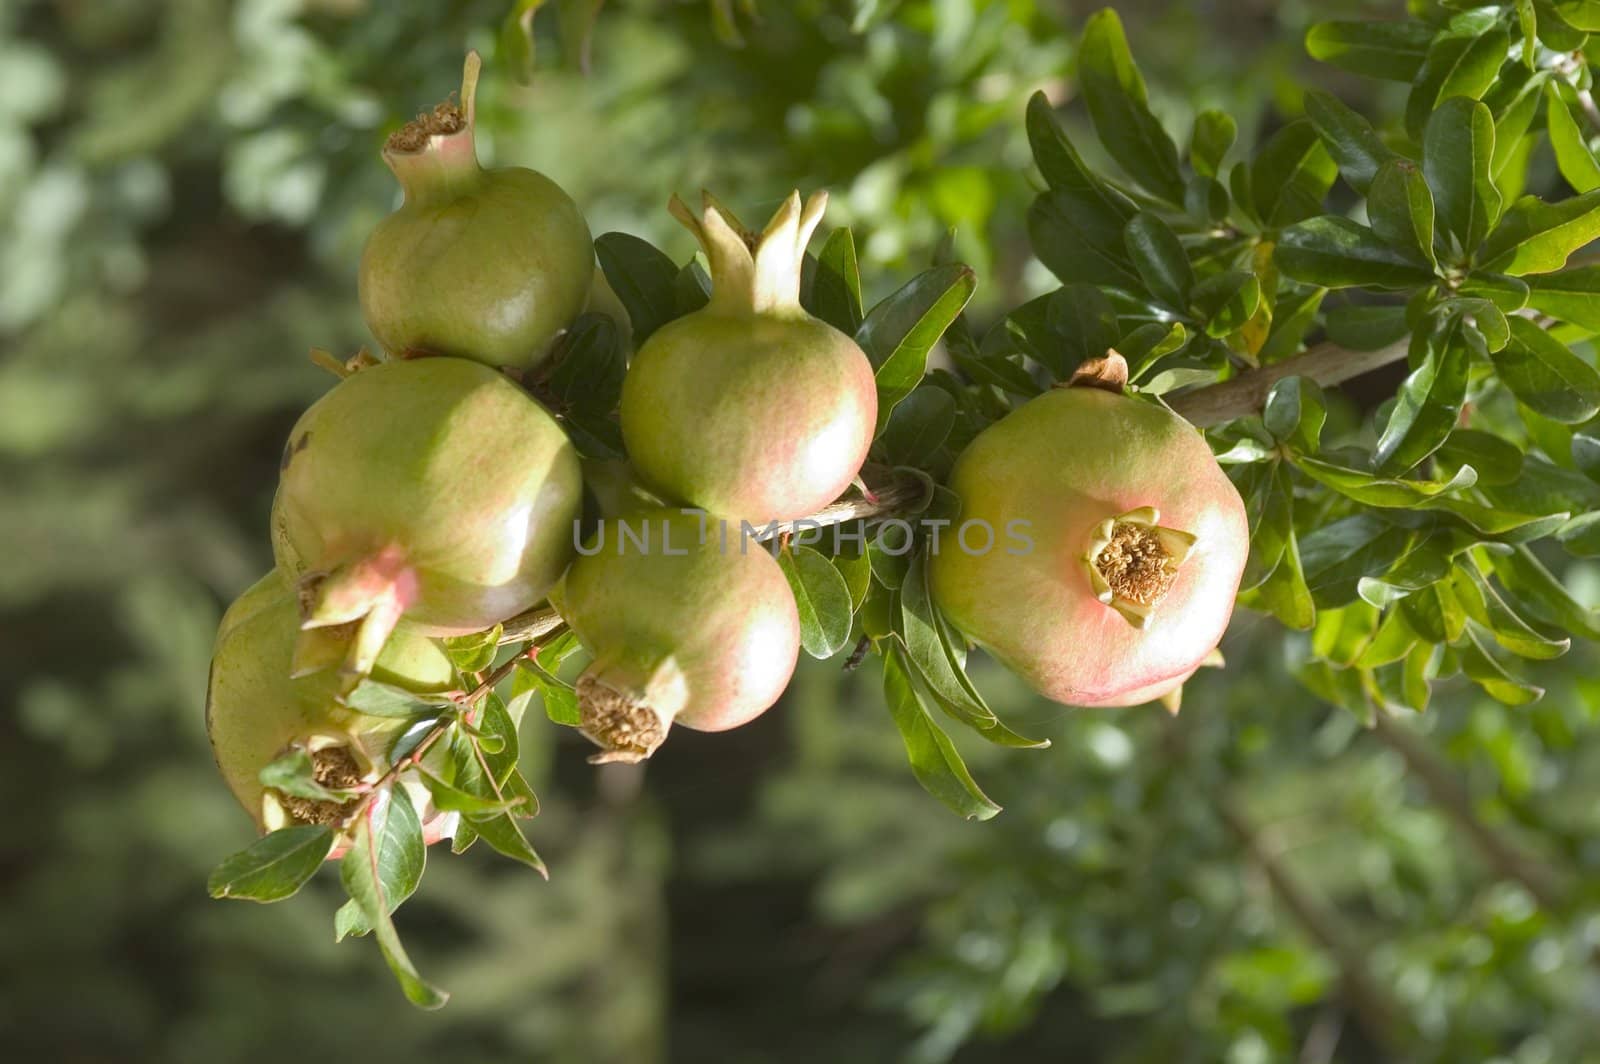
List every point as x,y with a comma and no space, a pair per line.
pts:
1132,545
490,265
434,489
750,407
688,622
256,712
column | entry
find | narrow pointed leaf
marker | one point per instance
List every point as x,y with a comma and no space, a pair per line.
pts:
1335,252
363,879
1457,149
899,332
1537,237
934,759
274,867
1119,108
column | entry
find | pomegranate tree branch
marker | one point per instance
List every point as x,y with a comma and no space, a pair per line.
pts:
1327,364
887,501
1370,1003
1503,855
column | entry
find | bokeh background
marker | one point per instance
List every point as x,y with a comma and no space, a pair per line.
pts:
185,186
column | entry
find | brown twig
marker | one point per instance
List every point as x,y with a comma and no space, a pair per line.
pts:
1504,856
1327,364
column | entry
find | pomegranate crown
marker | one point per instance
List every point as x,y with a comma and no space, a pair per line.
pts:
751,272
433,155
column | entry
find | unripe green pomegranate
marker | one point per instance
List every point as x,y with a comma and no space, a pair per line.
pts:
750,407
434,489
490,265
1116,550
688,622
256,712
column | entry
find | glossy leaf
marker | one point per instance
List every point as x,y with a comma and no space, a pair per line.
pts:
1118,105
934,759
1537,237
1456,65
1400,208
1160,259
1349,138
1393,50
1457,148
364,878
1335,252
1079,241
1569,295
919,426
1059,162
1573,155
822,598
1543,372
643,278
899,332
275,867
1214,133
1291,175
398,853
836,285
385,700
1084,326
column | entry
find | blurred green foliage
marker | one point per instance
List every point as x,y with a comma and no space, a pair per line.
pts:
184,187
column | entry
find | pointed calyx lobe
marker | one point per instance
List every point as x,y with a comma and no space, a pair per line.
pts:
433,155
754,273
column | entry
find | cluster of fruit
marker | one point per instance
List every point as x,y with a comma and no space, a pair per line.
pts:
430,495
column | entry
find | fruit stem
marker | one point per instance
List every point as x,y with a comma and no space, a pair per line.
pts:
433,156
754,273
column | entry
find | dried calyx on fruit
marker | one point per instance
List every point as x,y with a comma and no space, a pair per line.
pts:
490,265
1127,543
256,712
432,489
750,407
688,622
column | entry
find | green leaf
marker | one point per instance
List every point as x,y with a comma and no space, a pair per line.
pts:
1084,324
385,700
1284,594
1118,106
899,332
1521,572
1400,207
399,855
1367,328
1290,175
515,46
1269,506
934,760
455,800
1059,162
1214,133
1160,259
1496,460
274,867
1456,65
1293,316
1457,148
836,285
1336,557
932,653
1349,138
823,599
1510,294
1484,604
505,836
1390,643
364,879
1393,51
1482,669
1573,155
1543,372
585,373
643,278
475,652
1537,237
1570,295
1579,14
1294,412
1227,301
1079,240
919,426
1335,252
1395,494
